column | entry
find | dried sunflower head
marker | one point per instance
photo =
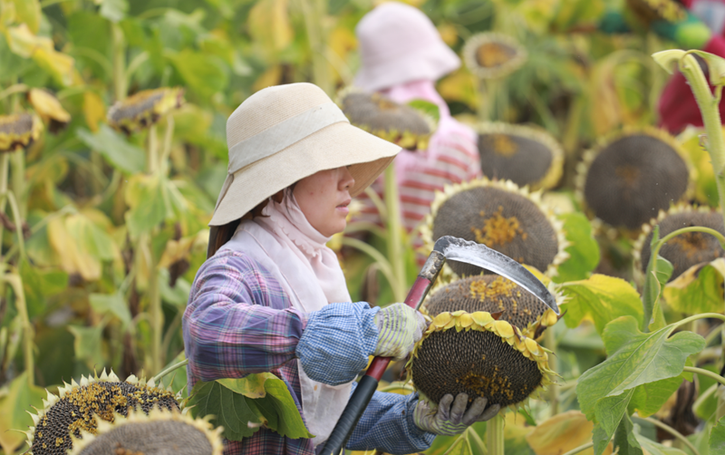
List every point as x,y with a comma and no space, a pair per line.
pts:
685,250
524,155
18,131
493,359
383,117
503,217
153,433
145,108
47,106
648,11
78,407
492,55
628,177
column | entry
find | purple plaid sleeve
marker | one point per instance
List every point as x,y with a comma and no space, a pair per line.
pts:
238,320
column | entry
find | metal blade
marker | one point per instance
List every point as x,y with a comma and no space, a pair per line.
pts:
457,249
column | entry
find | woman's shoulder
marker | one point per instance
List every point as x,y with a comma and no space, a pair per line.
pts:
238,261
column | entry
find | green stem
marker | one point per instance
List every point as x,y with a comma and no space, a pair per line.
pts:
553,392
494,435
395,245
704,372
314,12
484,101
152,160
711,120
168,370
385,267
156,314
4,173
672,431
120,89
13,89
581,448
166,150
18,182
18,223
704,396
16,283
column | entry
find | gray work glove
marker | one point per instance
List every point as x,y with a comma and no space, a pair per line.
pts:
399,328
447,420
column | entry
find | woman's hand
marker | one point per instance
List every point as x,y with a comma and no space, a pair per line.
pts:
450,420
399,328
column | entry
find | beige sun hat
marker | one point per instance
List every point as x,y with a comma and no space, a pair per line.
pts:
400,44
285,133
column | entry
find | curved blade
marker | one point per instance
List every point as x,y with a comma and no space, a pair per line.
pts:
457,249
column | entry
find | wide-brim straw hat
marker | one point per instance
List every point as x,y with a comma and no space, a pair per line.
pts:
285,133
398,44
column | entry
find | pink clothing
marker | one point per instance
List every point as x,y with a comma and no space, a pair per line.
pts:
452,157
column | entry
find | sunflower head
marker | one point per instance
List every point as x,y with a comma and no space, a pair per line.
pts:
648,11
78,407
383,117
156,432
629,177
501,216
492,55
684,250
524,155
144,109
18,131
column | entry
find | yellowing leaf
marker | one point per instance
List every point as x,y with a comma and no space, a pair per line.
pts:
270,77
47,106
698,290
20,397
176,250
269,24
94,110
459,86
562,433
342,41
26,12
251,386
25,43
72,261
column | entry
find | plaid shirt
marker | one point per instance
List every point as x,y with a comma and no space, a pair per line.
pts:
239,321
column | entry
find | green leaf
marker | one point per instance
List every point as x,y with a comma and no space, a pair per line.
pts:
655,448
149,202
649,398
269,25
668,59
20,397
661,271
113,304
251,386
426,107
717,437
27,12
39,285
114,10
238,415
600,299
715,66
583,249
278,405
625,440
636,359
204,74
122,155
87,344
698,290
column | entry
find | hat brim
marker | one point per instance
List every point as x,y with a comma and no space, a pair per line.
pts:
337,145
429,63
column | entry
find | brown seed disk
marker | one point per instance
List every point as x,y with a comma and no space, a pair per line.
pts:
375,112
155,437
512,157
633,178
690,248
493,54
479,364
505,221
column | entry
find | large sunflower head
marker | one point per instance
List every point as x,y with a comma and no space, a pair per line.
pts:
383,117
501,216
18,131
522,154
491,55
630,176
684,250
153,433
476,318
77,408
144,108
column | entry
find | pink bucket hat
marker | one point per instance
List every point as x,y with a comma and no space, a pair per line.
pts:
399,44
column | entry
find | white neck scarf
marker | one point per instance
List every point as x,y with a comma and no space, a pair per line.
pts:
285,244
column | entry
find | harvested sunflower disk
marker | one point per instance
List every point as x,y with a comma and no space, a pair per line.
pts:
383,117
491,55
47,106
503,217
684,250
18,131
158,433
648,11
79,406
493,358
628,177
145,108
493,294
524,155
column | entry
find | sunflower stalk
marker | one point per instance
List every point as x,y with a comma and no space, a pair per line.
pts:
314,12
119,63
495,435
553,392
395,246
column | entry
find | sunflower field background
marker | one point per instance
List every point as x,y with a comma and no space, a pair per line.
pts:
112,133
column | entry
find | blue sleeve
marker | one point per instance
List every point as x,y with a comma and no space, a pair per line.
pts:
337,342
387,424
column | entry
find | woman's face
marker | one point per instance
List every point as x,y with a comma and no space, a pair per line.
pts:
324,197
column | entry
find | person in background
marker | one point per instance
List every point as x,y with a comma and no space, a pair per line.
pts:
402,56
271,296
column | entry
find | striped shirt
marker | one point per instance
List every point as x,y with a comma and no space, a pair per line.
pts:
239,321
